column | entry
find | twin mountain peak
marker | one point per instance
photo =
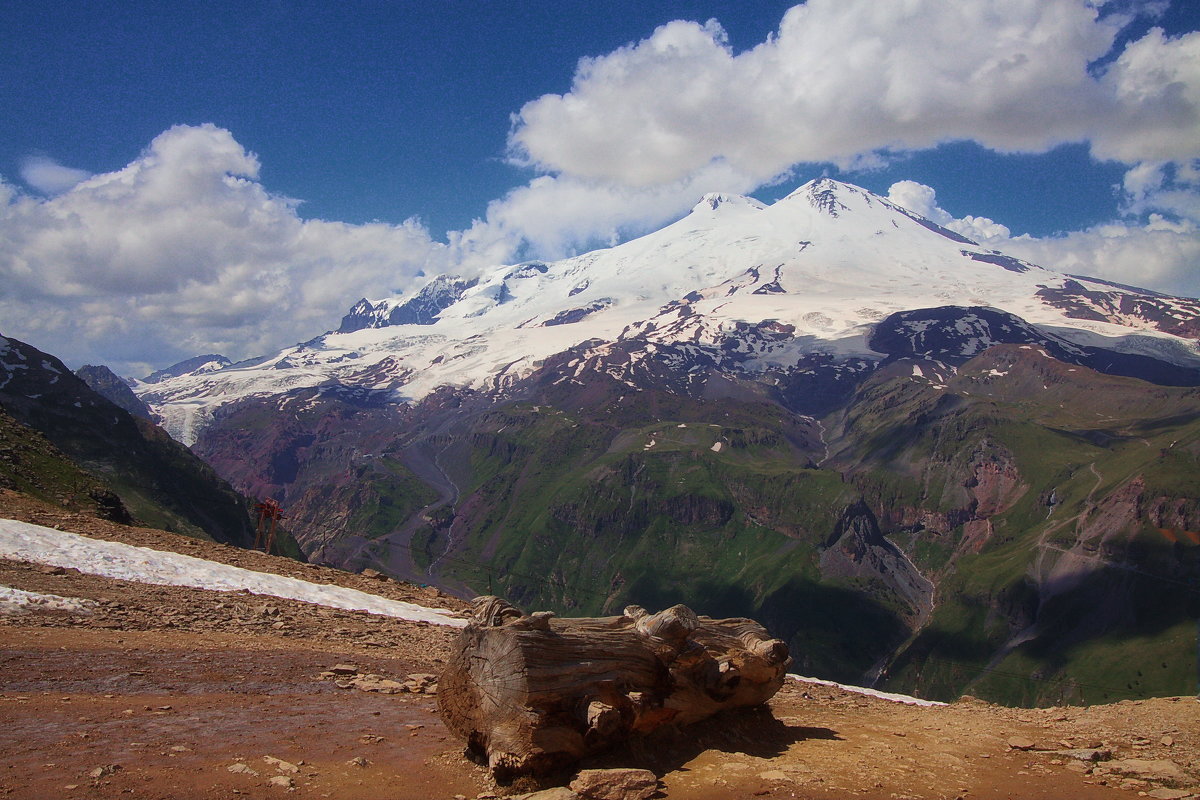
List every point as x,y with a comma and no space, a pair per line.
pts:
832,273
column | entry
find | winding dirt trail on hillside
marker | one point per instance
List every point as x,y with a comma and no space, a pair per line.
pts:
1089,506
1045,577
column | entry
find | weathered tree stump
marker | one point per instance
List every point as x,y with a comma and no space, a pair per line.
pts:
531,694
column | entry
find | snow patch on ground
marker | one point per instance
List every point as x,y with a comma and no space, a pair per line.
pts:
25,542
892,696
14,601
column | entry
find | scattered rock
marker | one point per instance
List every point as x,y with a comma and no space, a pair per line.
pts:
107,769
349,676
370,738
557,793
1086,754
378,683
1021,743
374,574
283,781
773,775
421,683
241,769
615,784
1167,741
1154,770
280,765
1169,794
357,761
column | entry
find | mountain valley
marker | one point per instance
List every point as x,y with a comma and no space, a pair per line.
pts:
145,691
925,464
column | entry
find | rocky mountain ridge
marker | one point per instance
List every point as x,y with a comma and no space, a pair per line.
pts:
69,444
103,381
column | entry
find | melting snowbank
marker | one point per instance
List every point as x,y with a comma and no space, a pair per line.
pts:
895,698
26,542
17,600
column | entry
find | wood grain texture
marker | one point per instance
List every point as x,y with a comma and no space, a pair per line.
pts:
531,694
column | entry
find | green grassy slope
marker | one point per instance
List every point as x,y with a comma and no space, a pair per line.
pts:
986,484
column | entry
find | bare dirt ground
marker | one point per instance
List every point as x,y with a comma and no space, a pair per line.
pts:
165,692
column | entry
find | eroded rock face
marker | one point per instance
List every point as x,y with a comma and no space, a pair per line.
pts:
857,549
995,485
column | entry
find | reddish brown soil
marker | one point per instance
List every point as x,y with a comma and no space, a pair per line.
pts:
162,689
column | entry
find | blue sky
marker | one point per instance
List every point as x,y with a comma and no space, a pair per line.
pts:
1064,130
364,110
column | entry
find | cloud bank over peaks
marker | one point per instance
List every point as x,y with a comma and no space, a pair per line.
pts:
849,81
555,216
923,200
648,128
184,251
1159,253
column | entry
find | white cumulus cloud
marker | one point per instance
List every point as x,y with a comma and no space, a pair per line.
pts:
184,251
1160,253
45,175
557,215
848,81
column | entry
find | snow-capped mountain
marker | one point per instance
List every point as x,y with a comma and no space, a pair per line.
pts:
756,288
196,365
826,414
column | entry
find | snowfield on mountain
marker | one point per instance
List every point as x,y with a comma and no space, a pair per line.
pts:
811,274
